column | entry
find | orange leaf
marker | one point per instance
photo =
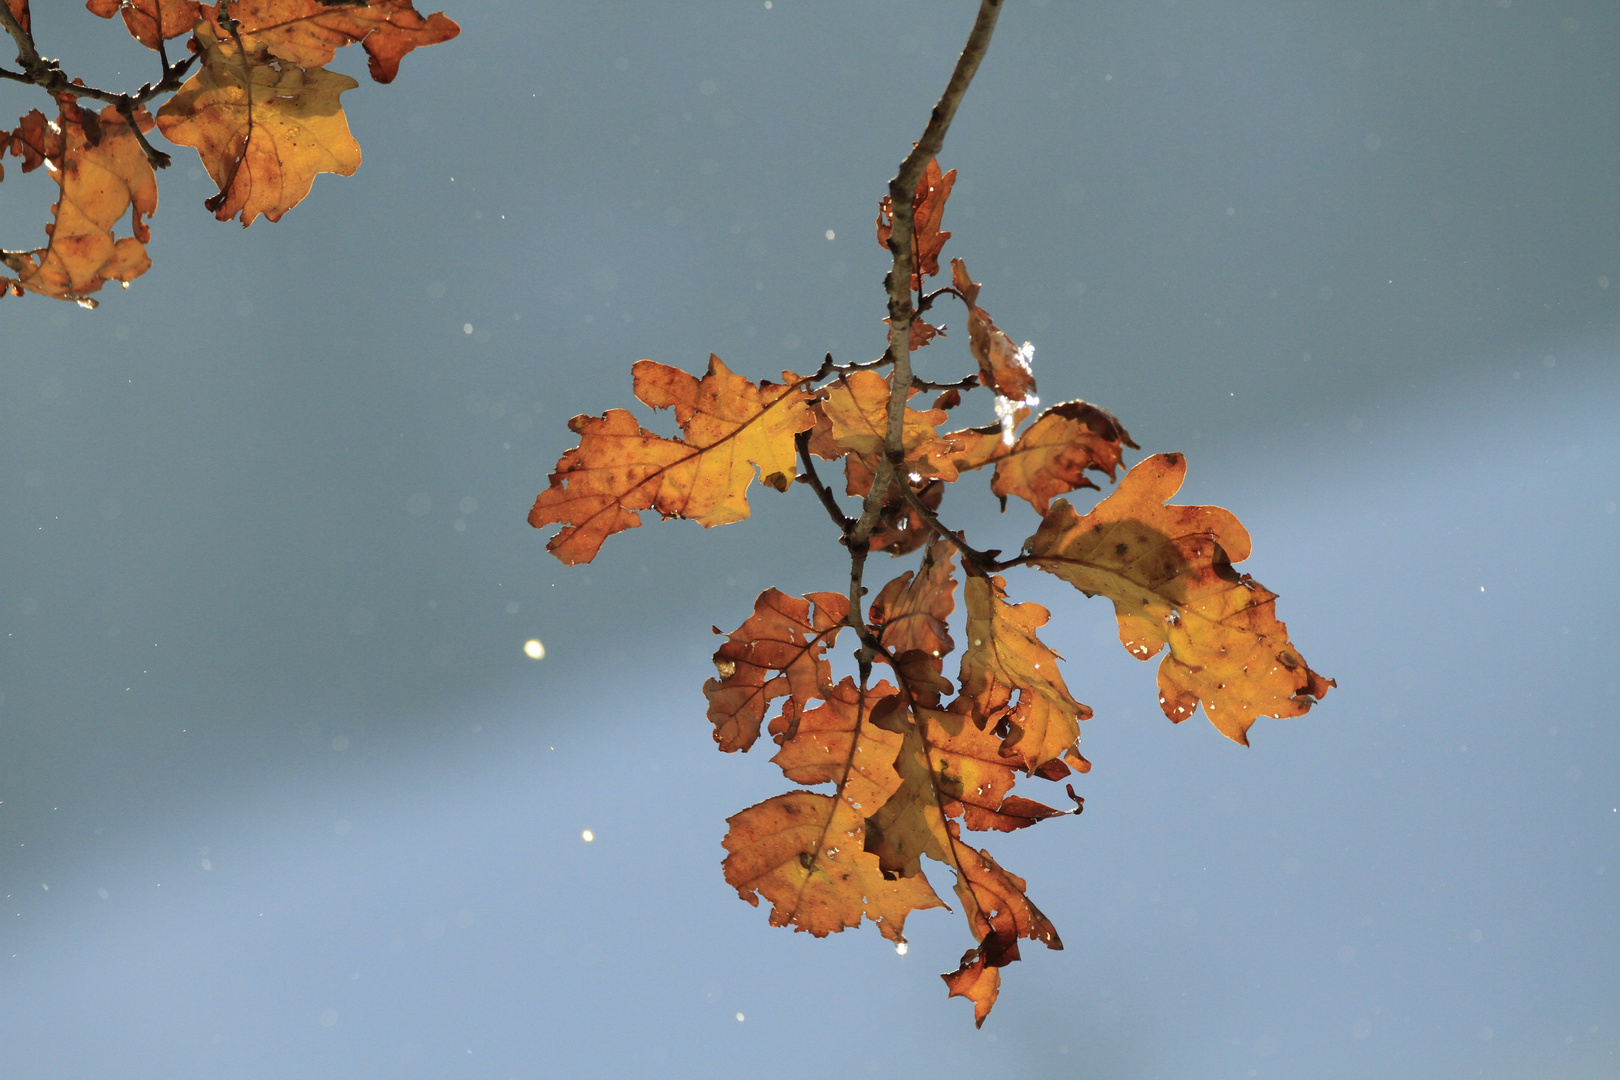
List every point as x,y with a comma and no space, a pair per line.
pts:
837,743
1003,658
978,982
1052,456
1168,571
784,636
911,610
805,854
1003,366
927,210
972,770
263,127
150,21
102,172
620,468
309,33
19,11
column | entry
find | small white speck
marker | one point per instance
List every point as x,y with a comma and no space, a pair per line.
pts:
534,650
901,947
831,235
587,836
466,328
739,1018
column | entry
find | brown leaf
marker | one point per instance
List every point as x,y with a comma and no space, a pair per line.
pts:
1168,571
779,651
150,21
804,853
927,210
620,468
19,11
263,127
1004,658
1003,366
911,610
309,33
102,172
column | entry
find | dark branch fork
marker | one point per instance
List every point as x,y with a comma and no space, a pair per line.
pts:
48,76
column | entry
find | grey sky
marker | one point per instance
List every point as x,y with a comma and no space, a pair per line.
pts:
267,575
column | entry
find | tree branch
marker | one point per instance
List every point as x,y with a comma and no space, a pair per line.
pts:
834,511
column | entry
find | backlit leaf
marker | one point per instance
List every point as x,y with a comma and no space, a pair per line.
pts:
620,468
1003,366
927,210
264,127
911,610
102,173
1168,571
805,853
837,743
150,21
1012,679
779,651
309,33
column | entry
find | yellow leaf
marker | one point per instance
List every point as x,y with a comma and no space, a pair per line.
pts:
1168,571
309,33
263,127
805,854
102,172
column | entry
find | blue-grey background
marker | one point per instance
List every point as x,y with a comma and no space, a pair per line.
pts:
280,795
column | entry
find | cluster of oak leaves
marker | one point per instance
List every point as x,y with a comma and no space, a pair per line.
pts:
909,769
262,111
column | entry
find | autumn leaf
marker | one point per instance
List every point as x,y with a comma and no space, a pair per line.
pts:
309,33
805,853
1005,659
102,173
927,210
619,468
19,11
837,743
779,651
150,21
973,774
911,610
263,127
1050,458
1168,571
1003,366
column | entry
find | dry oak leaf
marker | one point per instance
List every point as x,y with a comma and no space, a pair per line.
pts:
19,11
837,743
619,468
977,981
927,210
853,423
1168,571
805,853
911,611
973,774
263,127
35,140
779,651
1050,458
1003,366
150,22
102,172
309,33
1004,657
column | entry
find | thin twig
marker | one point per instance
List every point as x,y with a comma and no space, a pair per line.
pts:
810,476
960,384
981,560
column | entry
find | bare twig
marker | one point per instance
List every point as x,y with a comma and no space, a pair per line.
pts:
981,560
844,522
967,383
